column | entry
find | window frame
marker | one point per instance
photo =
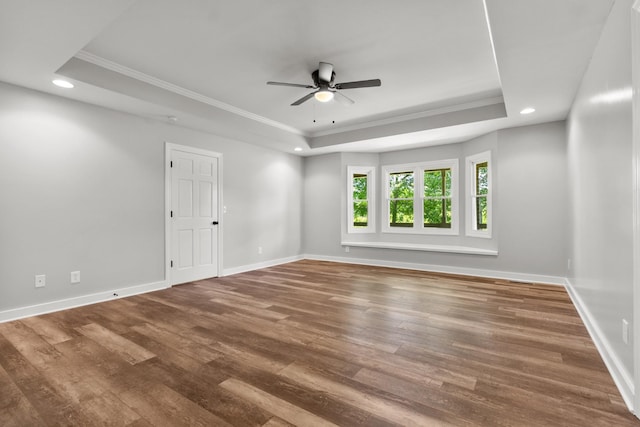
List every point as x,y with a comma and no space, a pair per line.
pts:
370,172
418,170
472,229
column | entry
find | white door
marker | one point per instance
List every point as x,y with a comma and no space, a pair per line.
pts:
194,217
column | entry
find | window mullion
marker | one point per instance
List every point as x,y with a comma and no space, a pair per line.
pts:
418,198
444,192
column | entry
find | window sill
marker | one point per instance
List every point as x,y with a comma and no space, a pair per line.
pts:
427,248
423,231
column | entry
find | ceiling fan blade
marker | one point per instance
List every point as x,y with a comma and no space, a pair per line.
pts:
343,99
291,84
304,98
358,84
325,71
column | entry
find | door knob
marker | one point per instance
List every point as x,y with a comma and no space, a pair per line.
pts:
215,223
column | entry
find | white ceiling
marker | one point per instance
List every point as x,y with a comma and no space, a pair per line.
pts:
450,70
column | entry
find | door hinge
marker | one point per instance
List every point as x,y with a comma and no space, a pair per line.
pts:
171,214
171,263
171,164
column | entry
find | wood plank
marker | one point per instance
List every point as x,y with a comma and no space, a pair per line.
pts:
272,404
179,343
387,409
47,330
109,409
467,405
277,422
128,350
15,408
52,406
313,401
160,405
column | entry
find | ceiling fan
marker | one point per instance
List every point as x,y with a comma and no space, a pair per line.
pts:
325,88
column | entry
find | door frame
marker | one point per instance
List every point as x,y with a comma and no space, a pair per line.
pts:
169,147
635,82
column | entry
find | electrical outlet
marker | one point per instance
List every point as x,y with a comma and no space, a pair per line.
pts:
625,331
259,250
41,280
569,264
346,249
75,277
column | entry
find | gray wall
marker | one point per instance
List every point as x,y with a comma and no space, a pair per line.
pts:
322,204
533,210
530,204
600,179
83,189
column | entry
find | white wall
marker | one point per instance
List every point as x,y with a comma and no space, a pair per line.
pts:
82,188
600,180
530,206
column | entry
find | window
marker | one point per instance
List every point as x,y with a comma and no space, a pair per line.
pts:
479,195
401,191
360,204
421,198
437,198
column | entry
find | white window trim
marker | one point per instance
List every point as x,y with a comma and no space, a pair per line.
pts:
418,205
471,162
370,171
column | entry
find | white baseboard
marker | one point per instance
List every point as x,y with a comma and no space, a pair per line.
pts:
259,265
620,375
492,274
64,304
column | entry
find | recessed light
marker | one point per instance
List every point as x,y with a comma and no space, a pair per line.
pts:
297,149
528,110
63,83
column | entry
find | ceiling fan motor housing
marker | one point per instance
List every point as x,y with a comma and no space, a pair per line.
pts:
320,83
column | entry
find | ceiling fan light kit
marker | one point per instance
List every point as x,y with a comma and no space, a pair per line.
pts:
323,95
325,88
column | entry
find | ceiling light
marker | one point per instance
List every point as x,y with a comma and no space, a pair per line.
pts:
297,149
324,95
528,110
63,83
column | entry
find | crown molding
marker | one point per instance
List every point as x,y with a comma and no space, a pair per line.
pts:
134,74
406,117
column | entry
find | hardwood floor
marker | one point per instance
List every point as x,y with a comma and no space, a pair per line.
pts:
312,344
